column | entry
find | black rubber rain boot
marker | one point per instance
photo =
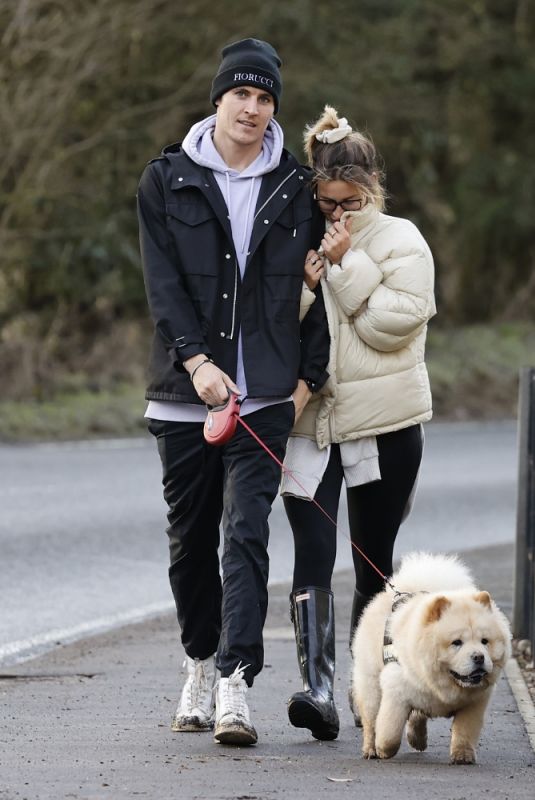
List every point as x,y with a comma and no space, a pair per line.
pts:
312,612
360,601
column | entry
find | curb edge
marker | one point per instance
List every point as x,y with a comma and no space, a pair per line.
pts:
523,698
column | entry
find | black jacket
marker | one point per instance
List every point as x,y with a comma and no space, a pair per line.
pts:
197,299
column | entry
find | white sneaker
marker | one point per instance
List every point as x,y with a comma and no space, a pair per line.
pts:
232,720
195,711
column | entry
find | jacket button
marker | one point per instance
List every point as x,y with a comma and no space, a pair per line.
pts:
300,177
284,196
227,255
181,179
222,334
225,296
266,222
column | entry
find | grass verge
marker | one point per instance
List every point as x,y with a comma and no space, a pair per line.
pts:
473,371
83,415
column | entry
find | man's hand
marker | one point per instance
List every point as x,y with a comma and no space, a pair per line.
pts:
337,241
211,383
301,395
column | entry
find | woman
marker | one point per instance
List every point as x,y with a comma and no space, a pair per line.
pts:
364,427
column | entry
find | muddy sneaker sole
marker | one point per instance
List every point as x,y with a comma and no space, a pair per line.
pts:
190,725
235,733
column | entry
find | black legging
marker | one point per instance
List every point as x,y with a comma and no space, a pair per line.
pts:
375,512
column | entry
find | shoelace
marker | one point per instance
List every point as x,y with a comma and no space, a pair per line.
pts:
234,692
197,684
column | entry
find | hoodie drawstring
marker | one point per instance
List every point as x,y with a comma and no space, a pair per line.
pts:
227,184
245,227
245,237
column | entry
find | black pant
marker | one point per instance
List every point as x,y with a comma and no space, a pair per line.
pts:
375,513
235,483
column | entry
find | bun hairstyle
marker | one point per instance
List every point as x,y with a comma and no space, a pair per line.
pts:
336,152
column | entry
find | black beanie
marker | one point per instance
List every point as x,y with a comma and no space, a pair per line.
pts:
249,62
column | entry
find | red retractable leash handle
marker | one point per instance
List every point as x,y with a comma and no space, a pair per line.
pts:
219,427
221,421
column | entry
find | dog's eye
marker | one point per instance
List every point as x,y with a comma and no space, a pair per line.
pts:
484,641
457,642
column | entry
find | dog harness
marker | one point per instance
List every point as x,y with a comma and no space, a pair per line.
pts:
389,651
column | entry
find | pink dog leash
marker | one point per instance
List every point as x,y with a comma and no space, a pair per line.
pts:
220,426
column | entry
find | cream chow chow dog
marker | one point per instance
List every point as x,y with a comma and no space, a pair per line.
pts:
445,645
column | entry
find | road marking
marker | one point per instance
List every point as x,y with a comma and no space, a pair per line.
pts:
24,649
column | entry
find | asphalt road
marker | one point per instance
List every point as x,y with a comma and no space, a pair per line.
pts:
91,721
82,527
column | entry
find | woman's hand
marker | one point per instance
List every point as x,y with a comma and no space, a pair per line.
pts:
314,269
301,395
337,241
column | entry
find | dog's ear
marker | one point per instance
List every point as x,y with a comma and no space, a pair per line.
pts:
435,609
484,598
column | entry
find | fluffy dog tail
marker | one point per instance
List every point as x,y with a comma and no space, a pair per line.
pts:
420,572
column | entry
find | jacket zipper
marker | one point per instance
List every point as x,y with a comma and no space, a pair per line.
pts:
234,300
274,193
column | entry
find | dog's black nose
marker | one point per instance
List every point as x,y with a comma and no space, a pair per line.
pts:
478,658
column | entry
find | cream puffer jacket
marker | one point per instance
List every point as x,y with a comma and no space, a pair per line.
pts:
378,302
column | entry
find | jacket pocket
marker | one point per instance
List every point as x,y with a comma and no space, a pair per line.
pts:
192,228
190,213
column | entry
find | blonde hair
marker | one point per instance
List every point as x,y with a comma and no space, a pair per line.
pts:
352,159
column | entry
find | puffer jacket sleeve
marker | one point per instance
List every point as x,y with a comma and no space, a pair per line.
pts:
353,281
390,300
170,304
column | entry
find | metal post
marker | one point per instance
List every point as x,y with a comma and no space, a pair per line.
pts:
524,590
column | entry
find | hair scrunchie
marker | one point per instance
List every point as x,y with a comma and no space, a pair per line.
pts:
332,135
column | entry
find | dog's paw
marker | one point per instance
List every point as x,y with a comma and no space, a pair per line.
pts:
368,752
387,749
417,732
417,740
463,755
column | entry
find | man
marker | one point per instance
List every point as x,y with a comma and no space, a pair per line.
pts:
226,221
